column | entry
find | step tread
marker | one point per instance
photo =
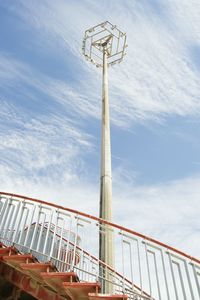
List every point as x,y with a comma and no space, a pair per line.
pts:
105,296
5,250
80,290
38,267
81,284
17,259
60,276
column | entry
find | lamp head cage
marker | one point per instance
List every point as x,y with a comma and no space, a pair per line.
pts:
99,38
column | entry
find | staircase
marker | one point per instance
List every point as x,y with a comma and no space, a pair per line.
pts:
43,281
51,252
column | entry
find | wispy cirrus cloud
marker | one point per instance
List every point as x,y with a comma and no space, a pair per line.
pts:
35,142
166,211
42,147
21,79
156,79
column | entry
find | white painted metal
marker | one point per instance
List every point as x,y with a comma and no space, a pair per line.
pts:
143,266
106,249
106,43
94,38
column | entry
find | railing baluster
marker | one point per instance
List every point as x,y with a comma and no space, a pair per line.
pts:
1,205
24,223
189,280
66,261
75,244
181,280
148,270
54,236
61,240
7,224
131,263
196,279
35,228
4,214
165,275
13,221
19,220
157,277
28,230
41,228
173,277
123,269
139,265
48,232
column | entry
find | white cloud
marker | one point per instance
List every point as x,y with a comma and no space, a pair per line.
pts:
168,211
40,146
157,77
18,78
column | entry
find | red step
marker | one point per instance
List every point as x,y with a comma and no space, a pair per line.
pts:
7,251
80,290
21,271
56,279
17,259
104,296
54,285
60,277
38,267
34,270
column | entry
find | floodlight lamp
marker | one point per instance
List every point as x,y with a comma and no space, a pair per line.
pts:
104,36
113,27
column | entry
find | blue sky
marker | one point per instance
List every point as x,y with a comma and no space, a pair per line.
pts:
51,106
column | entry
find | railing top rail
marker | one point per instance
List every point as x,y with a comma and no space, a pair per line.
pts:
146,238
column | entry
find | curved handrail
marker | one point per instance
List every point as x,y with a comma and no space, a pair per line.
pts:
142,263
74,256
107,223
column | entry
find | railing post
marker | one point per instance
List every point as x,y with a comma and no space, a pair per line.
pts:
106,249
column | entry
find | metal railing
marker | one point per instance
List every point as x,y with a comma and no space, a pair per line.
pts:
144,268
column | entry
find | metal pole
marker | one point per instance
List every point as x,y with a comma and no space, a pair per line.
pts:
108,40
106,249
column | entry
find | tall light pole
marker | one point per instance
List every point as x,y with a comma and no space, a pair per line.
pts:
104,45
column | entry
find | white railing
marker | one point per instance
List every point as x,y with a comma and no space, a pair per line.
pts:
144,268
